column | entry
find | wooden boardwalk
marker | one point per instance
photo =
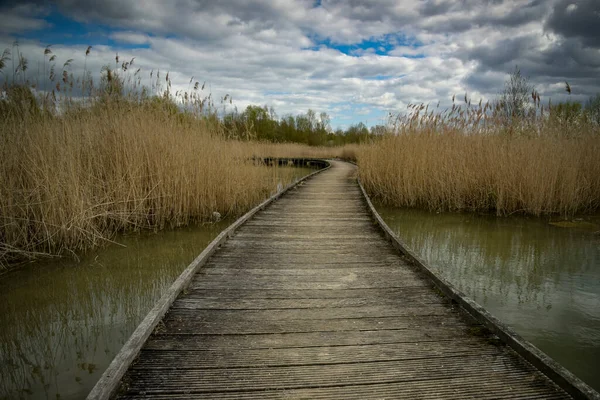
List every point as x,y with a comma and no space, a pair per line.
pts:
308,300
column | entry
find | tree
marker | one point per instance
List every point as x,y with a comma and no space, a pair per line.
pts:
324,122
259,123
358,133
379,130
515,97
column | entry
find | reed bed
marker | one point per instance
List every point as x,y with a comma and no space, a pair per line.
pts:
486,163
70,182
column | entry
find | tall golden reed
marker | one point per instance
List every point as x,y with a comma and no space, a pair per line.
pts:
71,182
538,166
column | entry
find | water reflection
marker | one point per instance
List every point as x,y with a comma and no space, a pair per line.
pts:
62,322
542,280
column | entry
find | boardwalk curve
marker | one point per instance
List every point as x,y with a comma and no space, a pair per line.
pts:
308,299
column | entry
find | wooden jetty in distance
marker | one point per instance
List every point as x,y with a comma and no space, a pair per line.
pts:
311,296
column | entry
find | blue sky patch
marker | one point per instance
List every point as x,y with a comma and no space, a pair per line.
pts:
383,77
67,31
381,45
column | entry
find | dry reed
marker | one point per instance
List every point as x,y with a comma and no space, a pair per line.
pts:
480,162
71,182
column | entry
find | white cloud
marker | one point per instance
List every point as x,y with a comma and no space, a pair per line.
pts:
131,37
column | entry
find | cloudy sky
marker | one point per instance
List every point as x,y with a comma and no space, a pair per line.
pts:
356,60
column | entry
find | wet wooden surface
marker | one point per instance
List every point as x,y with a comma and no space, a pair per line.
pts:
309,301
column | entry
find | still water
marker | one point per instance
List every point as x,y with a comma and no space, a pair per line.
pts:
541,279
63,321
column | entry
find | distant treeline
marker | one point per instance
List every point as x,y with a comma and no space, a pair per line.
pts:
261,123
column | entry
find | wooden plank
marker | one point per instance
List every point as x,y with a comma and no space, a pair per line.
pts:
274,235
402,294
177,322
216,342
372,272
297,284
370,253
305,244
274,265
466,387
191,307
197,380
293,356
200,301
310,279
313,258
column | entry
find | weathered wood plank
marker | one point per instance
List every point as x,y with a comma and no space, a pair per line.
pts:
466,387
451,389
275,265
282,252
216,342
197,380
190,307
313,258
200,301
377,294
300,284
244,358
177,322
319,273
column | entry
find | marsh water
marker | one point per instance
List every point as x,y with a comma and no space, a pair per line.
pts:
62,321
541,278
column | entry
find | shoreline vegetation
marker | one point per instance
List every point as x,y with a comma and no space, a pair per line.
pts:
81,160
537,164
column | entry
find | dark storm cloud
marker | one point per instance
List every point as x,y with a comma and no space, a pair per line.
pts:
485,81
458,17
430,8
568,60
367,11
571,54
502,53
532,11
580,19
105,10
